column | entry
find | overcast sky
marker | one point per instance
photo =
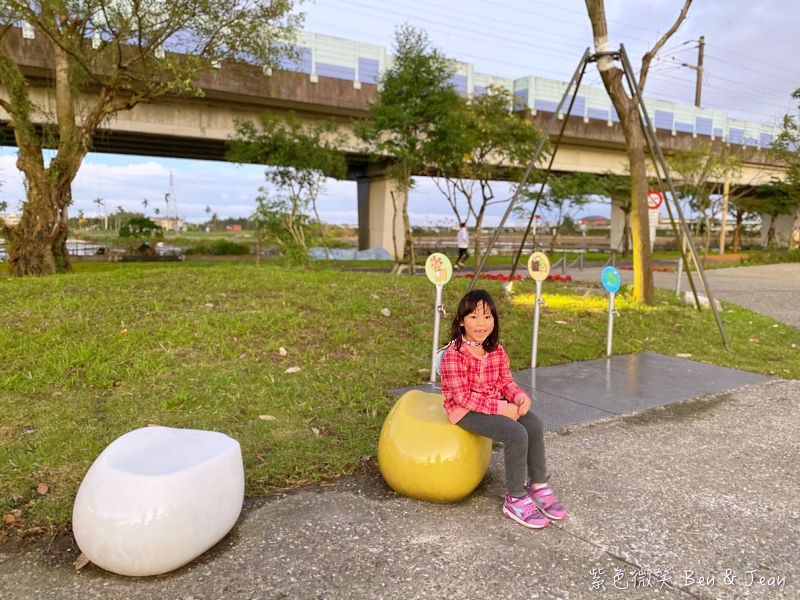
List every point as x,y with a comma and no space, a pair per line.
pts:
752,66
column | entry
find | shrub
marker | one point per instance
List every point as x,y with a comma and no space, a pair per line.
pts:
219,248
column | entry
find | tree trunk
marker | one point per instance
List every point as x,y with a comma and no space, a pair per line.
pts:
737,232
771,232
628,112
258,242
37,245
554,237
706,240
478,231
409,239
626,233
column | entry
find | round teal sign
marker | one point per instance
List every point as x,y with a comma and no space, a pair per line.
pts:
610,279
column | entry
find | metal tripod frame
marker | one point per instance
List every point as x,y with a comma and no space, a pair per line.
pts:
659,162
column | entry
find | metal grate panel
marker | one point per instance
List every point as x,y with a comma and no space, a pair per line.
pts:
584,391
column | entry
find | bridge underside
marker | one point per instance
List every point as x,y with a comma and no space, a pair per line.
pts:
199,129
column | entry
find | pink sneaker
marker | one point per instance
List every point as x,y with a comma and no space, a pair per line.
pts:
546,501
523,510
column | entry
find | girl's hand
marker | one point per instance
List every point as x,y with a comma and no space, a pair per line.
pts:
512,411
523,403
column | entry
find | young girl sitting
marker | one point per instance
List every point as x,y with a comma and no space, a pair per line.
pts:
481,397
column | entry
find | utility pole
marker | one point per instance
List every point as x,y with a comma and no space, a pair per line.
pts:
699,88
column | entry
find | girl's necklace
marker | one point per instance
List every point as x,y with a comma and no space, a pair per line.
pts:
468,343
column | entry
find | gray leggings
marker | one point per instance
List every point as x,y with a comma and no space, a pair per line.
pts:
523,443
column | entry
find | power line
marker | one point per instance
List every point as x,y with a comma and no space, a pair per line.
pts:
783,94
753,59
729,93
722,106
480,32
753,70
513,42
583,25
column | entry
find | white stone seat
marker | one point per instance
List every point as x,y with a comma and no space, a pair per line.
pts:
158,497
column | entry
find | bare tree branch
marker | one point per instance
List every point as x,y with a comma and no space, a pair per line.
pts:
649,56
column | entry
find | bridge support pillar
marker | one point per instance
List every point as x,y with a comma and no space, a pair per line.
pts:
618,226
377,215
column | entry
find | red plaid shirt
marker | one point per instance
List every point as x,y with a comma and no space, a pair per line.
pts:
471,383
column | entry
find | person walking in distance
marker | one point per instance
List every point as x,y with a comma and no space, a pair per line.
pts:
462,241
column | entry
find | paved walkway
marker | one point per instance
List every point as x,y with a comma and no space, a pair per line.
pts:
773,290
708,487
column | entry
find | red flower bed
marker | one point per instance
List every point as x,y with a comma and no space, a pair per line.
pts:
501,277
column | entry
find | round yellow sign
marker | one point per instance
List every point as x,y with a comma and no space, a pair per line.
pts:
438,268
538,266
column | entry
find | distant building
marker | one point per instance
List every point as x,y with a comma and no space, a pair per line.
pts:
594,222
233,228
10,219
170,224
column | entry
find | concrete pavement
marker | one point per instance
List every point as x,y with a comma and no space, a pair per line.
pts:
700,489
773,290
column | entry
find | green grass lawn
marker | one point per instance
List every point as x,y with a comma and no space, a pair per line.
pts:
89,356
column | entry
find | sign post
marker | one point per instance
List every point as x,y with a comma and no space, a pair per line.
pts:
611,281
538,269
439,271
654,201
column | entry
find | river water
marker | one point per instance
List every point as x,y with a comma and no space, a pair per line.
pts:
83,248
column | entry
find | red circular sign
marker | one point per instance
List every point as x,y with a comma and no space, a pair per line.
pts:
654,199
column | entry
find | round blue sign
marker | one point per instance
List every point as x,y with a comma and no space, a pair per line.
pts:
611,280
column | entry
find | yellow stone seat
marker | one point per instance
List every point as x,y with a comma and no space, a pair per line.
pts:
424,456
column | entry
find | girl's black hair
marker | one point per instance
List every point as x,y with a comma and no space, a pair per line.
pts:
469,303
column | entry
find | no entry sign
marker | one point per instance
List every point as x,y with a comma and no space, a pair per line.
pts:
654,199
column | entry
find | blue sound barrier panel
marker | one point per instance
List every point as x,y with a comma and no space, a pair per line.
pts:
336,71
704,126
596,113
368,70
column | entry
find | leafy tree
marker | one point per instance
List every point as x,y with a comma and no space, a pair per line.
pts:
298,157
743,206
108,56
417,98
787,148
627,108
563,198
779,198
700,179
139,228
475,146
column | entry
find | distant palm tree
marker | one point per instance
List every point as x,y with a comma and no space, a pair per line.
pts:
157,211
100,203
145,203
